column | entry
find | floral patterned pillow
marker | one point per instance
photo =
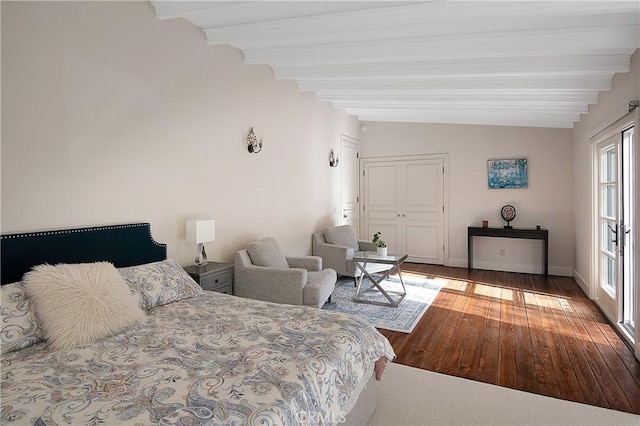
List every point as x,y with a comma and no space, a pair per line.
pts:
159,283
19,328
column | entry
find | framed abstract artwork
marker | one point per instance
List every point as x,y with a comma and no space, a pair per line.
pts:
506,174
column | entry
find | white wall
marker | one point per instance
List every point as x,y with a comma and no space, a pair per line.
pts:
110,115
547,201
611,105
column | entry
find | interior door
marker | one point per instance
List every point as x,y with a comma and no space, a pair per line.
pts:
382,202
608,261
349,182
405,200
423,210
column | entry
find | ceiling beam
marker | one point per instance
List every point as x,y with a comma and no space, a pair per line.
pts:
547,122
501,107
463,96
256,13
597,83
559,42
471,115
503,67
421,20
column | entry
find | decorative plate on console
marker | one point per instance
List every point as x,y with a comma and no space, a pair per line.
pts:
508,213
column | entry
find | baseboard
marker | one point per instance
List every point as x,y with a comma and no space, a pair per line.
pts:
457,263
582,283
562,271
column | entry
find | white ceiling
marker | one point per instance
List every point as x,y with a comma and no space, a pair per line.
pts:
507,63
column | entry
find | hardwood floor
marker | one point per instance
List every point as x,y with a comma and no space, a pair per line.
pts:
523,332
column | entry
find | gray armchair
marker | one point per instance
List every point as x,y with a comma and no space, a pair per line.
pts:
261,272
336,246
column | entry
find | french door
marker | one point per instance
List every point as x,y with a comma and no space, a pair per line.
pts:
616,218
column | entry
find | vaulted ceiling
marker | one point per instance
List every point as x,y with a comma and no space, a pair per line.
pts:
507,63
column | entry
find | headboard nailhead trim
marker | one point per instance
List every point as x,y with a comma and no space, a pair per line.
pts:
89,229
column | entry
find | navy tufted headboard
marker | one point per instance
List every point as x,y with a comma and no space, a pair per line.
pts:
123,245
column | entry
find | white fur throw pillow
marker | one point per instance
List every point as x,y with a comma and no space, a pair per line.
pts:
78,304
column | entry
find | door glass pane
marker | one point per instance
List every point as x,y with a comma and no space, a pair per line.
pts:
608,237
608,165
609,200
608,278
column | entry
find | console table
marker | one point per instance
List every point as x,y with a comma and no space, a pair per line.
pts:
530,234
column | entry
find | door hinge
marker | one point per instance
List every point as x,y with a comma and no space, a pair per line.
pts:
442,209
443,247
357,199
363,173
442,169
363,208
357,155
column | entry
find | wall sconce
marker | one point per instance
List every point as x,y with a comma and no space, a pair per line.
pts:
200,232
254,145
333,159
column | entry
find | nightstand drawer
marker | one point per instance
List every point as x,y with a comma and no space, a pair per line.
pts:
216,281
214,276
224,289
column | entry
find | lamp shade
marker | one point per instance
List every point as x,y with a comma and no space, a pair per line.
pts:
201,231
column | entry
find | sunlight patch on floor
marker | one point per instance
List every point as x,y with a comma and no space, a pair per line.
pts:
493,292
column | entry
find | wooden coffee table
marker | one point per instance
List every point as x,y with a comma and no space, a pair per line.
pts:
370,262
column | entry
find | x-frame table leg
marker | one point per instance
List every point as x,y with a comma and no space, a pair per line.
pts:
376,284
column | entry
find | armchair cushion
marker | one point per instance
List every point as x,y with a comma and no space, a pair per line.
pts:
310,263
280,285
265,252
319,287
294,285
342,236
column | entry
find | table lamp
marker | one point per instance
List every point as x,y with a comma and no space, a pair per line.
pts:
200,232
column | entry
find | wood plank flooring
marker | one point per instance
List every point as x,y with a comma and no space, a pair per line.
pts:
523,332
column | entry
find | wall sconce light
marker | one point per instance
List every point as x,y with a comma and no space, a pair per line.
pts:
333,159
200,232
254,145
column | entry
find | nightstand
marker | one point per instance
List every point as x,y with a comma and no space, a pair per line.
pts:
213,276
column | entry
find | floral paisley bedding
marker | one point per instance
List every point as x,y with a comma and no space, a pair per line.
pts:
204,359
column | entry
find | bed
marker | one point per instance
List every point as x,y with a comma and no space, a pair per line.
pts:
193,357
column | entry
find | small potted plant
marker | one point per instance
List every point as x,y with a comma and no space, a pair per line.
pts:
381,246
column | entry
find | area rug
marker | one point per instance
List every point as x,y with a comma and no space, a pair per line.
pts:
421,292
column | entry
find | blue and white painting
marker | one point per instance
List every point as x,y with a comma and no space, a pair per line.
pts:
505,174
